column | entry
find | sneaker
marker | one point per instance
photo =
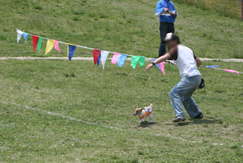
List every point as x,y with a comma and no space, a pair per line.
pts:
200,116
178,119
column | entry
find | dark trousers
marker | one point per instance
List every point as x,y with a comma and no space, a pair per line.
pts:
164,29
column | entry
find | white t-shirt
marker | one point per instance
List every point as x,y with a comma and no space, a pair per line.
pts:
185,61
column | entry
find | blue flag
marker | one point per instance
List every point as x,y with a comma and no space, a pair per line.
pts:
71,50
213,66
156,64
98,61
121,59
25,35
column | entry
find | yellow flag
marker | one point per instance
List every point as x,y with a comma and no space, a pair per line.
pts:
50,44
67,50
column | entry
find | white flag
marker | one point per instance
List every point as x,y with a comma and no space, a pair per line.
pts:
19,35
104,55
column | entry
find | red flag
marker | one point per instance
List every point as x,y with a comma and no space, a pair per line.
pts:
96,54
35,41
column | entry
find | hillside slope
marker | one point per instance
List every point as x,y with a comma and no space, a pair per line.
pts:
123,26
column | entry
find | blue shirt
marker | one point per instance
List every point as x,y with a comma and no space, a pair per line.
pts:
161,5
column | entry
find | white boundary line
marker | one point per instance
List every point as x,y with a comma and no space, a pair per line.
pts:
90,123
110,127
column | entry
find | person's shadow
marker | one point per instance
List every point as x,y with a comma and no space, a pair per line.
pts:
207,120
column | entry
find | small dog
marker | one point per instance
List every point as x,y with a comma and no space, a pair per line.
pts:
143,113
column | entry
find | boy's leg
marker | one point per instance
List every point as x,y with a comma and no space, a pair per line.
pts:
189,104
176,101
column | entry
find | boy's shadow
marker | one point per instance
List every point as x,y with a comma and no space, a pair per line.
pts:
147,124
207,120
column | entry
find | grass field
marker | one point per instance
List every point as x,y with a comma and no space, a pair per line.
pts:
60,111
231,8
56,111
126,26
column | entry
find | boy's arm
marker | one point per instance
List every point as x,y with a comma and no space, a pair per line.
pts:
198,61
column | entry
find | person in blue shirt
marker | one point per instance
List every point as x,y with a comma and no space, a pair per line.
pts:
167,19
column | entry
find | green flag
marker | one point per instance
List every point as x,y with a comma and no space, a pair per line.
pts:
39,43
137,59
141,61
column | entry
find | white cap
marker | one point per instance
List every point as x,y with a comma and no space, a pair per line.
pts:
171,36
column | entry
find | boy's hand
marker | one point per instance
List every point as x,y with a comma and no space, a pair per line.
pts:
148,67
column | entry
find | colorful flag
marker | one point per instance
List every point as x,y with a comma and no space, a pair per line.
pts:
98,61
114,58
57,46
160,66
19,35
121,59
156,64
232,71
104,55
25,35
35,41
71,49
39,43
49,45
139,59
96,55
213,66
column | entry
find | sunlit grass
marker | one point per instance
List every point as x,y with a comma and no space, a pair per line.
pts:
56,111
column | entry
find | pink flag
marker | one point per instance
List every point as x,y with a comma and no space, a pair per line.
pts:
57,46
232,71
114,58
162,67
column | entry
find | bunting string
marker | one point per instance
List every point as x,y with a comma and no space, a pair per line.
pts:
79,46
98,55
226,70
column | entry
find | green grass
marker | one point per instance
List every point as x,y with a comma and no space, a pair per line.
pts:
122,26
60,111
57,111
224,7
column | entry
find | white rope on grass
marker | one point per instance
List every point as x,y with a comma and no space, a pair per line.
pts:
111,127
96,124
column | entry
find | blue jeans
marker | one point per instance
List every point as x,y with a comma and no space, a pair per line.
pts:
182,94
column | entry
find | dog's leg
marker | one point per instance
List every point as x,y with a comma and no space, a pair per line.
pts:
142,120
150,117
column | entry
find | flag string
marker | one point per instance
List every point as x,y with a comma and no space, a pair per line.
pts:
89,48
224,70
85,47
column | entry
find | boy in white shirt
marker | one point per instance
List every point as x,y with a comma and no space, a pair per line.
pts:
187,64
